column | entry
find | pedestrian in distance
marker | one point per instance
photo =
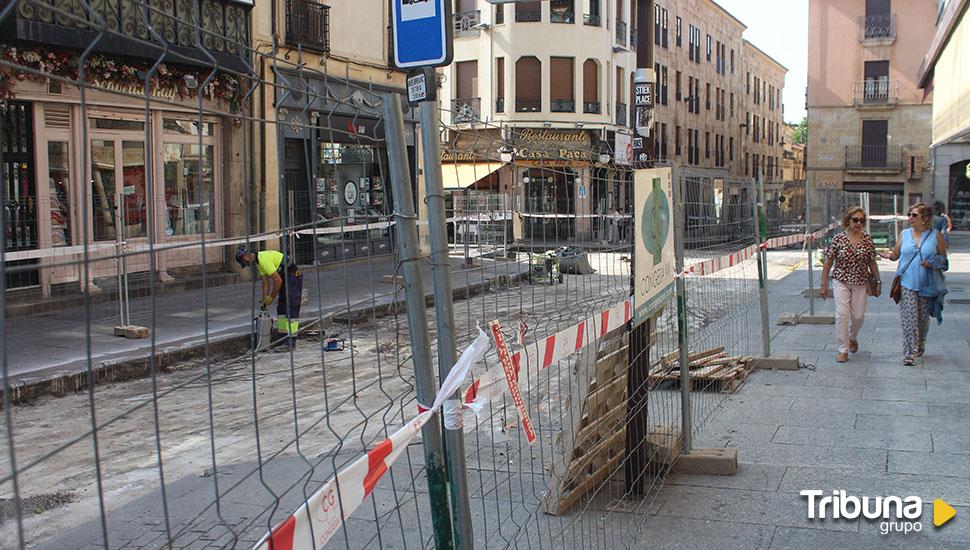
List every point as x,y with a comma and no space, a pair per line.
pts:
851,260
282,282
941,221
921,252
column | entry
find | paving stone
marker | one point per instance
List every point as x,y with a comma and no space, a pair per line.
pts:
933,464
848,437
953,490
911,423
870,406
786,538
752,476
700,534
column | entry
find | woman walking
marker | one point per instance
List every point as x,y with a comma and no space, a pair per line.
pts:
851,258
921,252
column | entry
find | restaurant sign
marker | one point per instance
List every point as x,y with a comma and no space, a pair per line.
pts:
559,145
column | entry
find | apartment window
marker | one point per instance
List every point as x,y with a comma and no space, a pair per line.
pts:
466,105
732,60
591,87
747,123
592,15
677,90
748,85
656,24
528,84
717,159
663,26
679,32
663,140
499,84
731,149
717,67
732,104
757,134
690,94
875,140
528,12
561,11
690,146
663,90
562,85
677,141
697,96
707,145
499,14
697,146
690,42
709,48
746,167
707,102
771,98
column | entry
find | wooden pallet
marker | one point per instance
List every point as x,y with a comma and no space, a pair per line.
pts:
592,443
710,370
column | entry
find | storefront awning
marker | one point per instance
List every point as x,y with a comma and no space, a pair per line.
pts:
460,176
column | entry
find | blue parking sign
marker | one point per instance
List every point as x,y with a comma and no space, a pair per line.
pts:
422,33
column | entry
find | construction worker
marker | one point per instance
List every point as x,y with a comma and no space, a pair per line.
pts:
281,281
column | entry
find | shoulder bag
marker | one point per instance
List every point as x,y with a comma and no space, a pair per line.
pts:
896,292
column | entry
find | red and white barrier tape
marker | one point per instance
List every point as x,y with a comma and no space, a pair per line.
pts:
713,265
312,525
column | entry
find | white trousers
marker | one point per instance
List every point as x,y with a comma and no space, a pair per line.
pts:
850,312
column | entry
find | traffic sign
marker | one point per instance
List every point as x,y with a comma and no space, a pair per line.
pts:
422,33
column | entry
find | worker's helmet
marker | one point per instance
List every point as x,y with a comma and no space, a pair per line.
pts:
241,253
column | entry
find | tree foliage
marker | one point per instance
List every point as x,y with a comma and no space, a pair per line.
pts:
801,132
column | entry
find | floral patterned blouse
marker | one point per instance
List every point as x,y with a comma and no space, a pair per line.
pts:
850,263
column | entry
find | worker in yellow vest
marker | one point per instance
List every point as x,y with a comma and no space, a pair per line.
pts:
281,282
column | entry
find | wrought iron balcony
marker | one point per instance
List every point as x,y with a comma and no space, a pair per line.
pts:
591,19
877,28
875,93
224,25
633,38
591,107
528,105
528,15
308,25
464,23
621,32
466,110
621,114
562,16
873,158
563,106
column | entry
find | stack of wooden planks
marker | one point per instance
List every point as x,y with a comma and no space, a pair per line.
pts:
710,370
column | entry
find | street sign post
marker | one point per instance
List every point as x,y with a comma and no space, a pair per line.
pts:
644,86
422,33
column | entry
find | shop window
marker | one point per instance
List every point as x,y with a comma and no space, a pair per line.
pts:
58,171
187,127
189,189
133,202
117,124
103,189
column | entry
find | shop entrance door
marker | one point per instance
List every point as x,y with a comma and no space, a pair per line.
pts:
299,193
19,190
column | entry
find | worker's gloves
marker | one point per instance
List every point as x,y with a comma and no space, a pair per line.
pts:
267,300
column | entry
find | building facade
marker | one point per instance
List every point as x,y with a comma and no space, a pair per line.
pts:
944,71
115,168
793,162
868,123
547,77
323,155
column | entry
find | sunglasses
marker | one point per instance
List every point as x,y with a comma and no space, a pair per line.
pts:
914,215
857,220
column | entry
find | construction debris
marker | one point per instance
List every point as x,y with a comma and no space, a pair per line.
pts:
710,370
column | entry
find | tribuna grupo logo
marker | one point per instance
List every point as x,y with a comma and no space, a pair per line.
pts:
898,514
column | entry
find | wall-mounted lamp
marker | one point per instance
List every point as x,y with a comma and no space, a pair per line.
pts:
604,159
506,153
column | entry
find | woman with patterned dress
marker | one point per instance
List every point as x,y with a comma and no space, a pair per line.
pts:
921,252
850,258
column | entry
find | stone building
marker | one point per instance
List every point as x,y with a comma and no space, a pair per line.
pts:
868,123
561,72
944,71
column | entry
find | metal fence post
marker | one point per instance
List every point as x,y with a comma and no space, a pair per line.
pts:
410,254
682,327
809,243
444,318
761,229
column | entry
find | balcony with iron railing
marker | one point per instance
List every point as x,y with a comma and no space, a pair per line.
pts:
877,29
621,32
465,23
873,158
225,28
621,114
308,25
466,109
562,16
875,93
528,105
527,15
591,107
633,38
591,19
562,105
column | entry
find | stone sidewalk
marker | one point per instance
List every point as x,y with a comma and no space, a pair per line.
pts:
871,427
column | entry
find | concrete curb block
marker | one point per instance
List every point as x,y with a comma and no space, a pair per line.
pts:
776,363
719,462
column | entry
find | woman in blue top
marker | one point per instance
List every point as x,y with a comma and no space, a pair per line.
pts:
920,251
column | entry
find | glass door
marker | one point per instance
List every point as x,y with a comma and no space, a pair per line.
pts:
118,189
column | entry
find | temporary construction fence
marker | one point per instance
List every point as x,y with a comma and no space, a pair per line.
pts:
566,419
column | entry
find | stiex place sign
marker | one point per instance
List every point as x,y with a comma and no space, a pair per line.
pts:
422,33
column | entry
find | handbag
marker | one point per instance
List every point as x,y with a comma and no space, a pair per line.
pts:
896,292
874,285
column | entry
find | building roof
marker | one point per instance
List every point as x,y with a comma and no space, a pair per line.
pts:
954,12
762,52
727,13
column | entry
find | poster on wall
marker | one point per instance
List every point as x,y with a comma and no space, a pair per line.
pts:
623,149
653,242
